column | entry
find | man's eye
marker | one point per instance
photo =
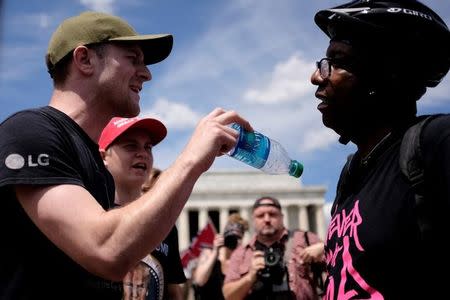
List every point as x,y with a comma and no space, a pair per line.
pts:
130,146
132,58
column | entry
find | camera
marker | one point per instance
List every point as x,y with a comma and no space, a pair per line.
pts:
275,269
232,234
230,241
272,257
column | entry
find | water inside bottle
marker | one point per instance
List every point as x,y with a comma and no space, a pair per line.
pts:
252,148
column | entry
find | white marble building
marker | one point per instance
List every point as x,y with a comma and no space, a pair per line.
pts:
216,194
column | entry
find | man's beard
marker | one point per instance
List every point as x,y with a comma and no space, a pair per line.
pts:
268,232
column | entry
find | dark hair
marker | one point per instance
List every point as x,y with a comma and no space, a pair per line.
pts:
60,71
275,202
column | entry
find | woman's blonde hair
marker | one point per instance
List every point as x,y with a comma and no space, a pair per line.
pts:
152,177
236,218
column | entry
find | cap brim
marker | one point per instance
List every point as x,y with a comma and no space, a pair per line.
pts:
156,47
155,128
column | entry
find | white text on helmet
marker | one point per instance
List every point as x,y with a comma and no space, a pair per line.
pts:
409,12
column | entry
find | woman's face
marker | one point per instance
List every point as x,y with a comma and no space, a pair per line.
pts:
340,92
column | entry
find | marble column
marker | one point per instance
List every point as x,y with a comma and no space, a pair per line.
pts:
245,213
284,210
303,221
223,218
183,230
202,217
320,220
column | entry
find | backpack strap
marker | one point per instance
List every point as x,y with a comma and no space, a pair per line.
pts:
412,166
288,246
307,238
317,271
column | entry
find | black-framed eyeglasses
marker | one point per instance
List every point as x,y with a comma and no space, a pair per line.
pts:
324,66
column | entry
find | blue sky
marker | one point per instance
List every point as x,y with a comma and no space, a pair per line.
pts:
252,56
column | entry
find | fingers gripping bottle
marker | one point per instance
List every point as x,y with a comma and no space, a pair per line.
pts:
261,152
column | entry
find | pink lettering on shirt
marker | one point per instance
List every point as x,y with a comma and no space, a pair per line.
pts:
346,227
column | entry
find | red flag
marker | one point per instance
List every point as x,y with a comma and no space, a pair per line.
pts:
204,238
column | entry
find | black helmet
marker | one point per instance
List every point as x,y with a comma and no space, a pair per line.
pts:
405,24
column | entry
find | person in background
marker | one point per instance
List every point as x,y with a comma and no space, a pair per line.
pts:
381,59
270,265
151,179
212,263
126,146
56,192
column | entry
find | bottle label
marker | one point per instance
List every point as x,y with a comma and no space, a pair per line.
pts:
252,148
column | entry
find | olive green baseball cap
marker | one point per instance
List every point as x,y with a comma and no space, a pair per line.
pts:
95,27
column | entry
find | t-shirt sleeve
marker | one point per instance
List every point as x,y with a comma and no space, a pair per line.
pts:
34,151
175,272
235,263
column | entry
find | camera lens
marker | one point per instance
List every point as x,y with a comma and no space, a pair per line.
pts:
230,242
271,258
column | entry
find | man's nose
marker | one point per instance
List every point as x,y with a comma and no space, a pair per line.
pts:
144,73
316,79
143,152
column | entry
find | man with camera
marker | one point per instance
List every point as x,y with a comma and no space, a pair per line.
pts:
271,265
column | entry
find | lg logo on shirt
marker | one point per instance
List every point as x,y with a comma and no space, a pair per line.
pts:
16,161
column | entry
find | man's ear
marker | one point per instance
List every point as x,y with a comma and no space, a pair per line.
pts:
82,59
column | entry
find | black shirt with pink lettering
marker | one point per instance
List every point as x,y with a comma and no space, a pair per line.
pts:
373,247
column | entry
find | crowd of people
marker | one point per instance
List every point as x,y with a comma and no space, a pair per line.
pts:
86,214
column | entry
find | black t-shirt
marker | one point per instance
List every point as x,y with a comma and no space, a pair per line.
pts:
373,247
46,147
158,269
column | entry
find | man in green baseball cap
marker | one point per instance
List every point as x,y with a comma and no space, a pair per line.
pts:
93,27
57,215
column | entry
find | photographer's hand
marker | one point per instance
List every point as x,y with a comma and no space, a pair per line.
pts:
218,242
256,265
313,254
239,289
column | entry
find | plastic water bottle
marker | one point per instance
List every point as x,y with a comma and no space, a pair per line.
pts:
259,151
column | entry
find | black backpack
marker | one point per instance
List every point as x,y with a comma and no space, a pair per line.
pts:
411,165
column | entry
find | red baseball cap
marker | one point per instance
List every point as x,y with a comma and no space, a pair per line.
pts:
117,126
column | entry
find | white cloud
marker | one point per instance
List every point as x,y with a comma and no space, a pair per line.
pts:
106,6
44,20
242,46
289,81
174,115
317,139
30,22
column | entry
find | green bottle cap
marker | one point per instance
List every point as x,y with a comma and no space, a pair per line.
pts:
295,169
